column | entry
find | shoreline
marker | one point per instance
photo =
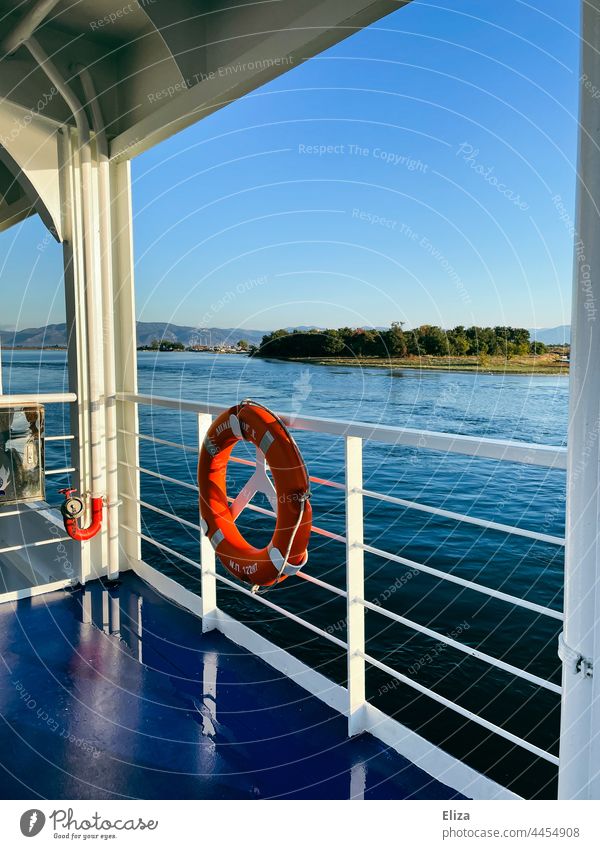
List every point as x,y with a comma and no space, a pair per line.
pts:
516,366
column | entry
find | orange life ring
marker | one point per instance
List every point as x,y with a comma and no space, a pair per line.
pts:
286,554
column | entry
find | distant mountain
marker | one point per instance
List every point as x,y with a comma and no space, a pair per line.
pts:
35,337
303,327
560,335
147,331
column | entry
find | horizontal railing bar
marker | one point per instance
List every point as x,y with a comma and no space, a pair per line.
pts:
476,446
326,482
241,589
156,509
312,478
281,610
159,441
462,517
266,512
158,475
41,398
162,547
323,584
480,588
241,460
255,508
479,655
402,502
62,438
329,534
498,594
496,729
34,544
59,471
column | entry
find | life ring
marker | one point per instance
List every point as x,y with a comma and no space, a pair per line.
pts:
289,495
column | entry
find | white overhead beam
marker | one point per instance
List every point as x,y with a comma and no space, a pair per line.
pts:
310,32
15,212
29,147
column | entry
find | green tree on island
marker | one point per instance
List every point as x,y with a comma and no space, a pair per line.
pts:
395,342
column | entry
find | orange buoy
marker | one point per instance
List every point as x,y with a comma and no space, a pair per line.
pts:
289,495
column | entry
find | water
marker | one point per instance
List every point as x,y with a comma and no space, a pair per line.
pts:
525,408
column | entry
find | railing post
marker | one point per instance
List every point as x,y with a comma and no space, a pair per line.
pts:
355,586
579,777
208,582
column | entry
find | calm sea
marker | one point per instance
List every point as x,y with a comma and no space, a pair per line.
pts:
516,407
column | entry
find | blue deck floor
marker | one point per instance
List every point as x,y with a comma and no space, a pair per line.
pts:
116,694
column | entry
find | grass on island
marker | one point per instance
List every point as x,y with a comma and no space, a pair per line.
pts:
528,364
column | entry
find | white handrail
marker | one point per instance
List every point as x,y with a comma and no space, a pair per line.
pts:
391,499
240,460
37,398
509,450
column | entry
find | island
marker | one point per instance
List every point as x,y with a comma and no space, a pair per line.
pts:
497,350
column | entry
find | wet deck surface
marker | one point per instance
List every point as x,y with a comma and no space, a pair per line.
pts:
117,694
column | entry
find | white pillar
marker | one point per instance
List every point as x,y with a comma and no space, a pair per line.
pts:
355,586
76,332
125,362
579,771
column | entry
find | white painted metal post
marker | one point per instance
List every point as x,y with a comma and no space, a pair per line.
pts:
355,586
125,362
76,331
102,174
208,581
579,772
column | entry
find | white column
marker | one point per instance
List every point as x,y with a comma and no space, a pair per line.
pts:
355,586
125,362
207,555
579,772
76,331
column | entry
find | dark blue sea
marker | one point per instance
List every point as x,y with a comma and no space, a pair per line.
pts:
530,408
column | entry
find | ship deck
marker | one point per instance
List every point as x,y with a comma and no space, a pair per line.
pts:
116,693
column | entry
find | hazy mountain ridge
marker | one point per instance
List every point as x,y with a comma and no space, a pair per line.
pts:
560,335
147,331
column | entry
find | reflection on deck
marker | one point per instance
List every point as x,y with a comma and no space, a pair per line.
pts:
112,693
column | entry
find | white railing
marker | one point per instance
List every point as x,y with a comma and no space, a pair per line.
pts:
354,645
38,398
30,509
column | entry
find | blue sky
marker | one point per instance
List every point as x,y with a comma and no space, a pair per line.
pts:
411,173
